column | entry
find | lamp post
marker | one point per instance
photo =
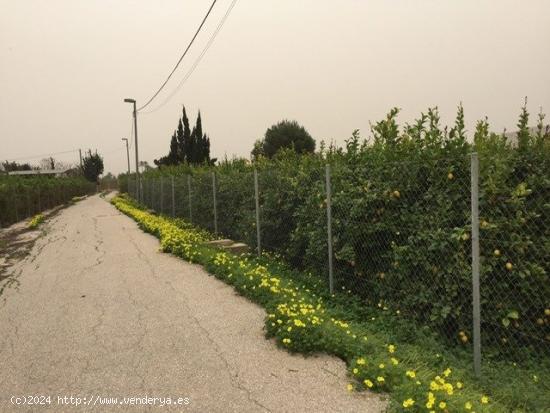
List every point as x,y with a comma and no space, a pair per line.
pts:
127,155
138,181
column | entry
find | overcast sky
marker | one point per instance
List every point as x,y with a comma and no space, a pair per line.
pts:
67,65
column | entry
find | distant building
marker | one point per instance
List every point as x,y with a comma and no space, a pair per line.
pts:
47,172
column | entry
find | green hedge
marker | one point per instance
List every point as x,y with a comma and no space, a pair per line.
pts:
402,232
22,197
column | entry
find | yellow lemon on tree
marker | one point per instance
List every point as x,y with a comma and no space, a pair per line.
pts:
450,175
540,321
396,194
509,266
497,253
547,312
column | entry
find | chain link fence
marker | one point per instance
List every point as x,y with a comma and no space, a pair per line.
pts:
435,241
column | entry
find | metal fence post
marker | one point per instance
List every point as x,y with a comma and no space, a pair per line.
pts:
475,263
173,198
29,212
15,204
147,184
161,203
189,196
145,196
329,229
214,201
152,200
257,196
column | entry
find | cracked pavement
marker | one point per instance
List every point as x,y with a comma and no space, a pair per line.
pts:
99,311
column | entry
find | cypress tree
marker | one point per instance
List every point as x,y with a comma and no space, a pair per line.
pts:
198,127
191,147
173,155
184,138
180,142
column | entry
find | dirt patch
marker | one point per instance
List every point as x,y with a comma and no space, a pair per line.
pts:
16,242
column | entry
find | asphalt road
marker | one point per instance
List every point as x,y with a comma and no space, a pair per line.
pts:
99,314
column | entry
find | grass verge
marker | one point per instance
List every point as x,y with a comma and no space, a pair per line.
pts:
384,353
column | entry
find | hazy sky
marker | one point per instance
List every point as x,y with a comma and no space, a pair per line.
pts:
67,65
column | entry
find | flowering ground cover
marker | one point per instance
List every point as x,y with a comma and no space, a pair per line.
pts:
384,352
36,221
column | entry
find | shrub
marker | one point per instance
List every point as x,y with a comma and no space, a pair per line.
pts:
401,223
22,197
36,221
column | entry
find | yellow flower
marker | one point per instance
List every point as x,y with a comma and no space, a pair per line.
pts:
431,400
350,387
368,383
447,373
442,405
286,340
380,379
391,348
484,399
408,403
355,371
468,406
361,361
411,374
459,385
394,361
381,365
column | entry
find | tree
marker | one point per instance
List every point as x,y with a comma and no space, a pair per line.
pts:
188,146
258,149
285,134
92,166
173,156
185,140
14,166
523,133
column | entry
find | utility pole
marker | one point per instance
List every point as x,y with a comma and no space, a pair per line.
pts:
127,156
138,187
80,154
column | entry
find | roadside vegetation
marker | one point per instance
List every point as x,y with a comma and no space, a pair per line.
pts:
384,352
36,221
22,197
401,222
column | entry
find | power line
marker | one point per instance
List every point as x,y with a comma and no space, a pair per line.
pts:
198,60
182,56
40,156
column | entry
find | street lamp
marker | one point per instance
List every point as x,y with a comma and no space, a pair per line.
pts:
127,155
138,182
